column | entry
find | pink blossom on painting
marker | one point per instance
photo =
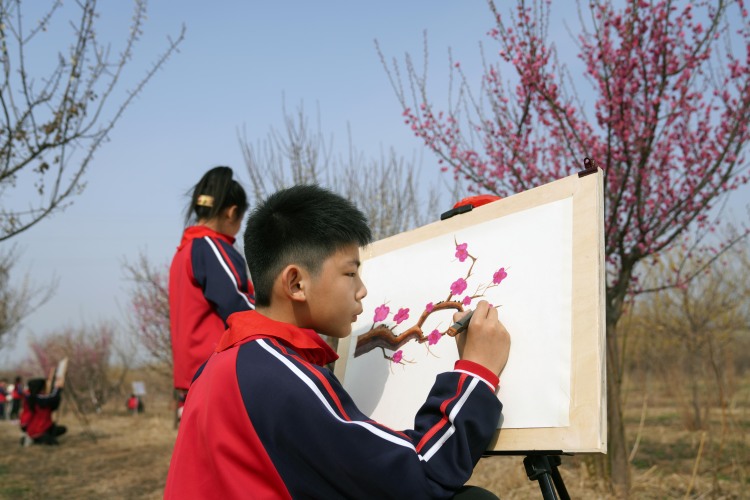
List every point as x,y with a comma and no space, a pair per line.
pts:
381,312
458,286
397,356
429,307
401,315
433,337
466,301
499,276
461,252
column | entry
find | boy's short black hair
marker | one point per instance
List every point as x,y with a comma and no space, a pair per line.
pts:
304,225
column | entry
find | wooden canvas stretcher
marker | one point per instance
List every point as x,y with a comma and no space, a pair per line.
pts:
537,256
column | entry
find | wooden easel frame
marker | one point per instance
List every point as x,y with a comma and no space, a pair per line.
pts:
587,429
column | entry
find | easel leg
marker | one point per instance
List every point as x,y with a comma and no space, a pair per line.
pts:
543,468
557,478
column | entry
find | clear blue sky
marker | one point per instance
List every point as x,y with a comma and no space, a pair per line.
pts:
239,62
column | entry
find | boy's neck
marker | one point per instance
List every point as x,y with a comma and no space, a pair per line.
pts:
281,314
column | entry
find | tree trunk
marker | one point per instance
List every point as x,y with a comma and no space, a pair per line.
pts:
617,453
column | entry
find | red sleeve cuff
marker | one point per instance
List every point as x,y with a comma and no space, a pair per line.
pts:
479,371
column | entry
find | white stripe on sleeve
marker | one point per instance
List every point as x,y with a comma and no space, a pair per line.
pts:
451,417
316,391
229,272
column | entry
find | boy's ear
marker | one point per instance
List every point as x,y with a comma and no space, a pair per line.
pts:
293,282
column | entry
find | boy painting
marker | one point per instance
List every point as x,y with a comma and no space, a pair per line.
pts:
265,418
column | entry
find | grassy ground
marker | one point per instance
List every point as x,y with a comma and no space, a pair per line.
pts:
118,455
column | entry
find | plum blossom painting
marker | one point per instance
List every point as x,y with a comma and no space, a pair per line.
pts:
384,337
414,291
522,263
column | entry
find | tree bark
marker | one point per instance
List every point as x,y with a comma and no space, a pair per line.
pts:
618,465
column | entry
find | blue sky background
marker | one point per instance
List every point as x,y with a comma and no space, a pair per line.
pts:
240,61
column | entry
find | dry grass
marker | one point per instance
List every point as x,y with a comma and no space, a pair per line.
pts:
116,456
123,456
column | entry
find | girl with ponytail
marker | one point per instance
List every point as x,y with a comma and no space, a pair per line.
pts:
208,278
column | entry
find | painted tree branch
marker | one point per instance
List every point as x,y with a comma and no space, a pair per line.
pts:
384,338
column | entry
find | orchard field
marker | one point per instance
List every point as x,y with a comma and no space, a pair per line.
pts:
119,455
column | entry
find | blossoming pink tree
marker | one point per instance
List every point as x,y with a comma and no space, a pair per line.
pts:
666,117
91,378
149,312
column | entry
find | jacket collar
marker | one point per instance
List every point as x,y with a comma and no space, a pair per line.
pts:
194,232
250,325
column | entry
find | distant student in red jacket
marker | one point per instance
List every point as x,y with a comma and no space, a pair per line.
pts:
266,418
134,404
36,416
208,278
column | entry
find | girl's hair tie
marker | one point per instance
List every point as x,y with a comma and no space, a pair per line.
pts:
205,200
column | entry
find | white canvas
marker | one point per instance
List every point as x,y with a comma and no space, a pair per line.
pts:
534,250
139,388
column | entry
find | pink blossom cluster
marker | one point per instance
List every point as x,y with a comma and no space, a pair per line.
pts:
382,312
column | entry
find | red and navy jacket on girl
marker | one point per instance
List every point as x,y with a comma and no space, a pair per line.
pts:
208,281
264,418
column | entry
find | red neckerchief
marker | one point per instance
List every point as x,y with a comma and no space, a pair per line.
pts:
194,232
250,325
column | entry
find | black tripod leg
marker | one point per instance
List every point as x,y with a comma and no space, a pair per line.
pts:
557,478
538,469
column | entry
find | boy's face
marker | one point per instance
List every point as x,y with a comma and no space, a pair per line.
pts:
334,295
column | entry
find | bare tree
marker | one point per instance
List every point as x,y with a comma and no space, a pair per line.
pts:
17,301
693,338
53,120
387,188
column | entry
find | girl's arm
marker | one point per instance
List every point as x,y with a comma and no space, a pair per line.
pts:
220,271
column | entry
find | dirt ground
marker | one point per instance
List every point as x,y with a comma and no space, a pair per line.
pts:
122,456
125,456
117,456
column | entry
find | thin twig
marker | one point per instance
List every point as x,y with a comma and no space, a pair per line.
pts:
697,463
640,429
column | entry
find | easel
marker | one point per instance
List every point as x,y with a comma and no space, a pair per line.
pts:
540,466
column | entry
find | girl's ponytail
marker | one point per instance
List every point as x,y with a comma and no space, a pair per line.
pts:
216,191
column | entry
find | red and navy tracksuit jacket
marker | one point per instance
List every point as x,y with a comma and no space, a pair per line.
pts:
208,281
37,421
264,418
